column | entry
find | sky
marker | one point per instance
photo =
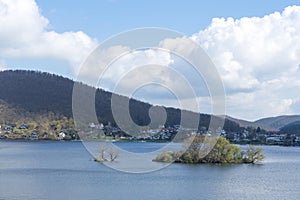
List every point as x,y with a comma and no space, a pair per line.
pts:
255,45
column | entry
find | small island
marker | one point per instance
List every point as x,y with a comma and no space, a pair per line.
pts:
106,154
201,149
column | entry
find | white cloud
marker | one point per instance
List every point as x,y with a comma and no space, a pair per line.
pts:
132,68
258,60
106,66
24,34
149,72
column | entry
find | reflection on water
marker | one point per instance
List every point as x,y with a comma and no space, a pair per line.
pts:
65,170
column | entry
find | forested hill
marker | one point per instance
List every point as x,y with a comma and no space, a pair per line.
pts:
39,92
292,128
36,91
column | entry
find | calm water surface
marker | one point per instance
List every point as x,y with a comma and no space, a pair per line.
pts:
65,170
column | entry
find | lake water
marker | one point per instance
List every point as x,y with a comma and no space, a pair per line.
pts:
65,170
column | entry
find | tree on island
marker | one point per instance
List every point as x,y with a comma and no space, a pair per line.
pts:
106,154
253,155
200,150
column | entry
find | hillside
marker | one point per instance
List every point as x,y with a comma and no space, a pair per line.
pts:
37,92
276,123
8,113
244,123
269,124
292,128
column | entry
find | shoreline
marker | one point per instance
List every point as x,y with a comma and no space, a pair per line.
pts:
127,141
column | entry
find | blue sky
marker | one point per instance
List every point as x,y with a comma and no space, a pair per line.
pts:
255,45
104,18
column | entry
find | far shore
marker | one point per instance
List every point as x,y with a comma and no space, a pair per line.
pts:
125,141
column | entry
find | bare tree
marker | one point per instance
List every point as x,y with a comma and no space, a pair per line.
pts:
101,156
104,152
113,154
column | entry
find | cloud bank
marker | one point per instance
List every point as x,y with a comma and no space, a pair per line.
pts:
258,60
24,33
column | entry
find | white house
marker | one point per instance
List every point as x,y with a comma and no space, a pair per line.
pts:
297,139
61,135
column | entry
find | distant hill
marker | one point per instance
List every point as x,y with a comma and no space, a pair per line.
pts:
269,124
242,123
38,92
276,123
293,128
